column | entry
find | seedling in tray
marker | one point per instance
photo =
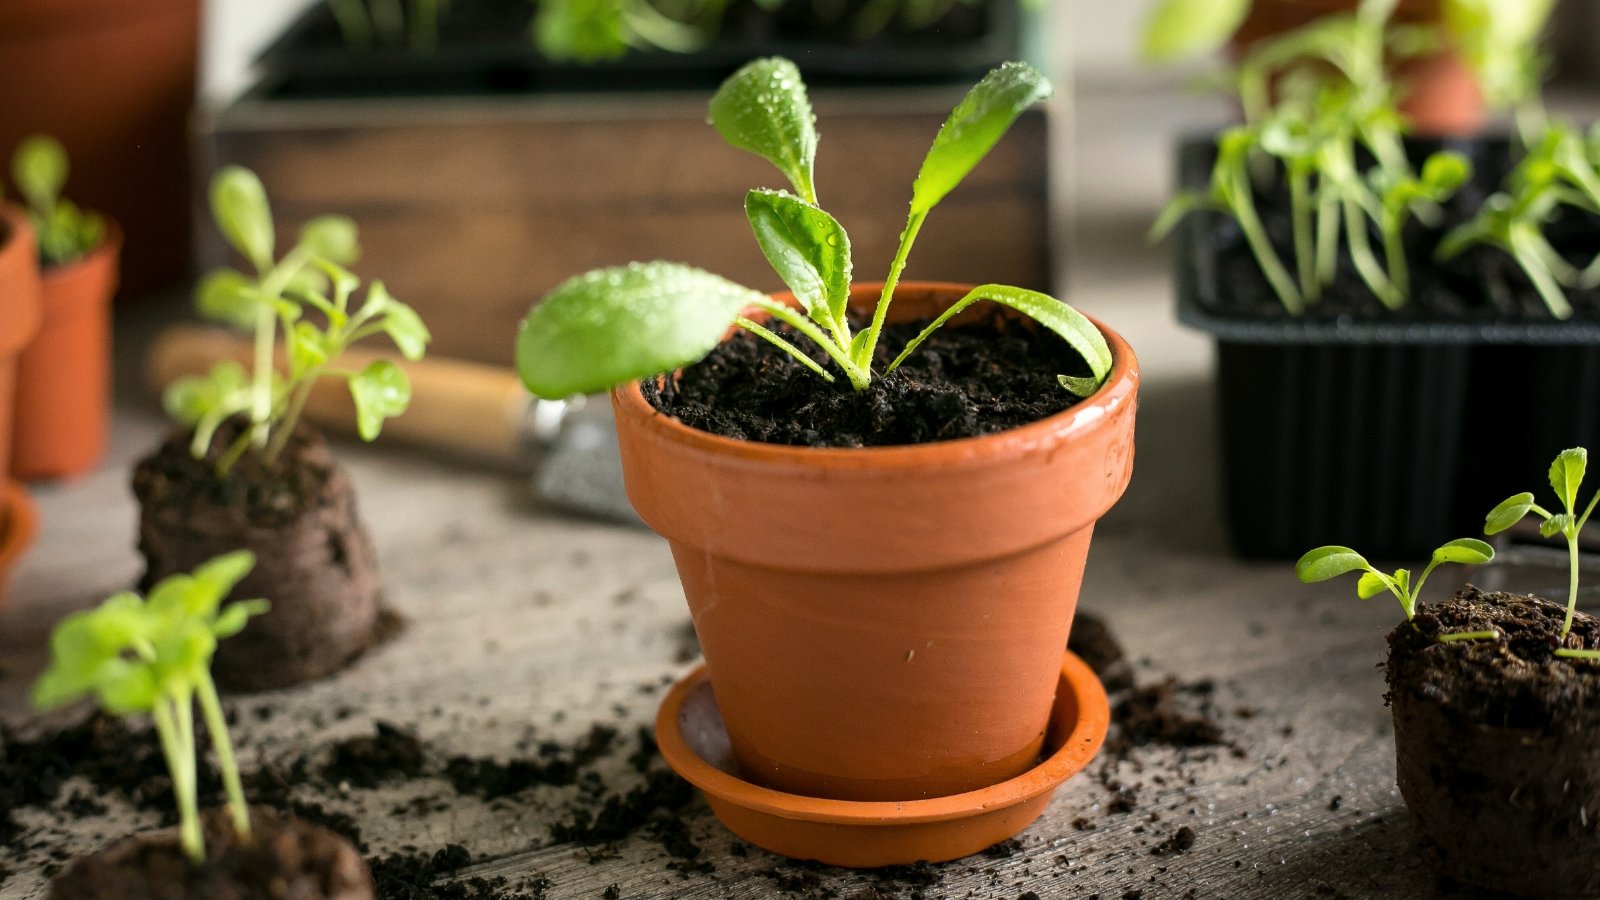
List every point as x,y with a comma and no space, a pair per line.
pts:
153,655
293,295
615,325
1566,477
1324,563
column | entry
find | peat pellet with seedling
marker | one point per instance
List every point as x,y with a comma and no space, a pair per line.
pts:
246,471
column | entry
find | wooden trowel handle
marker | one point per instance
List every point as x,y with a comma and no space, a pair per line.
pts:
458,407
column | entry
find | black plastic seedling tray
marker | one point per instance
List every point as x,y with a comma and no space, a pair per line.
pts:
1390,434
486,47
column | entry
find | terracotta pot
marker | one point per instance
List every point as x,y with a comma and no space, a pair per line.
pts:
64,376
1442,95
884,623
114,80
19,523
19,311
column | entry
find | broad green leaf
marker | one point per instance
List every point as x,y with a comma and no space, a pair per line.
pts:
1444,172
973,128
1467,551
1183,29
128,687
39,168
1078,385
808,249
380,391
612,326
215,579
1402,577
239,205
334,238
1510,511
1566,475
1557,524
1371,585
227,295
400,322
236,615
1067,323
1324,563
173,597
763,109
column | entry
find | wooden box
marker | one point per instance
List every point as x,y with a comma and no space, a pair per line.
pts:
471,208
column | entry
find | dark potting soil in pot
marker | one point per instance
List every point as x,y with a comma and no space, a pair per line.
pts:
287,858
964,381
1495,743
1482,284
314,560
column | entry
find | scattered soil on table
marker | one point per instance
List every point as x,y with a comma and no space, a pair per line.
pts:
1091,639
287,858
964,381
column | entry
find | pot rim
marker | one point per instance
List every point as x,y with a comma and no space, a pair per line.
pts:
1119,388
1074,752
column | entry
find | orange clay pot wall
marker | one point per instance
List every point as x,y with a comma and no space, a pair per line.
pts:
1442,98
884,623
64,376
19,320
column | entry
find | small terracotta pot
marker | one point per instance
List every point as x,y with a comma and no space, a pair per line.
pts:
1442,97
19,312
114,81
884,623
64,376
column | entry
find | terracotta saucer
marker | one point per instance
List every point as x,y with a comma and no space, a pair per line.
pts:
695,744
19,522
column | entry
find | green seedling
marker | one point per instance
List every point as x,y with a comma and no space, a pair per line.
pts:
307,297
1315,99
1324,563
1500,42
136,655
365,23
65,233
590,31
1566,477
616,325
1558,171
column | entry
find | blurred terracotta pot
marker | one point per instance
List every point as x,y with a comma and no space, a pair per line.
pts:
114,80
884,623
1442,95
19,320
64,376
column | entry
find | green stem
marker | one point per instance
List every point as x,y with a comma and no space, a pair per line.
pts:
860,377
1304,243
183,789
1327,236
261,381
1572,589
233,453
297,405
1578,654
354,25
763,332
1355,232
217,726
1394,250
1261,245
907,238
1489,635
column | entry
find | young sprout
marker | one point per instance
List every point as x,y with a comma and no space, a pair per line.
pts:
278,299
1324,563
612,326
1566,476
135,655
65,233
1559,170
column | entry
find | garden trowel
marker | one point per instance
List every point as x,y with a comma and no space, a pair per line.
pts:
462,409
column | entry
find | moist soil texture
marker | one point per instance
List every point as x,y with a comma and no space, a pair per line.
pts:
1516,682
1482,284
286,858
268,493
966,380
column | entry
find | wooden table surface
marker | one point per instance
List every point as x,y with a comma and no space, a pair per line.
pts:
523,618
